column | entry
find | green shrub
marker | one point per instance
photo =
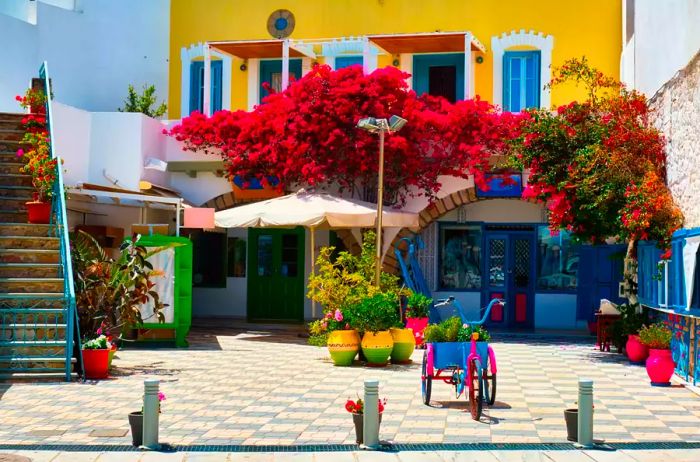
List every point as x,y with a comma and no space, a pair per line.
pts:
418,305
144,102
465,333
434,333
656,337
376,313
452,326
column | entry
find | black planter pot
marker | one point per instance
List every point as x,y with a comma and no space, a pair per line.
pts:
136,423
358,420
571,418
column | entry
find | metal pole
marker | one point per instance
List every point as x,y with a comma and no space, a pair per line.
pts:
380,200
585,413
150,413
370,422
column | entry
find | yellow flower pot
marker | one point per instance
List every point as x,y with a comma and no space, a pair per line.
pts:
343,346
404,344
377,347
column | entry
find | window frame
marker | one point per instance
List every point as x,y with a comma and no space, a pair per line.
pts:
455,225
197,86
522,55
538,289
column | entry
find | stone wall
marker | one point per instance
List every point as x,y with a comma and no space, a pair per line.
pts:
677,114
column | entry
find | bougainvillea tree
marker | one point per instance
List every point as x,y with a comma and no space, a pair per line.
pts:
307,135
599,164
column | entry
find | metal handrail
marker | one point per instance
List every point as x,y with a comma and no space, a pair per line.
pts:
58,209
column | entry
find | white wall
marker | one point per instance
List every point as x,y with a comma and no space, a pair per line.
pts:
94,53
72,141
500,211
666,37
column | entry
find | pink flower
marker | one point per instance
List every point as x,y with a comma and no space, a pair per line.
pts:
324,325
161,396
338,315
99,331
20,152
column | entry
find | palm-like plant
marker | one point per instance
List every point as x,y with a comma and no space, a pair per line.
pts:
110,292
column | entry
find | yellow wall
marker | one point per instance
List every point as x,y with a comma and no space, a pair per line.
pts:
582,27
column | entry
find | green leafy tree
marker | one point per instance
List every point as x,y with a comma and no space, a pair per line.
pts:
144,102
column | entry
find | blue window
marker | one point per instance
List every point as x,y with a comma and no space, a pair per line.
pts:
521,80
557,261
197,86
271,73
347,61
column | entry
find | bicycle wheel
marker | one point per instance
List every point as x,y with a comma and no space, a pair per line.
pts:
426,381
476,388
490,389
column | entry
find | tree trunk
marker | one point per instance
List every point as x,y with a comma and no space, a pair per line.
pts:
630,273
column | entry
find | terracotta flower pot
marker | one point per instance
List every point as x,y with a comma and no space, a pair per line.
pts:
418,325
377,347
660,367
38,213
96,363
343,346
637,352
404,344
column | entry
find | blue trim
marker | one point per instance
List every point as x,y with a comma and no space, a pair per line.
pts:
421,71
197,86
521,80
347,61
274,66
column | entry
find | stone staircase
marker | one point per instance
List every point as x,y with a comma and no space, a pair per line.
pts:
33,337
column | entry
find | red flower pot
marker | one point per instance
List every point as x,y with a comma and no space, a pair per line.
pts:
637,352
38,213
660,367
418,325
96,363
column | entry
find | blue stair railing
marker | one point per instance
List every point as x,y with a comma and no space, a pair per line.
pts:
60,228
410,268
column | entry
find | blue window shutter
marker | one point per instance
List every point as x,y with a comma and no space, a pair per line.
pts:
196,85
521,80
216,87
347,61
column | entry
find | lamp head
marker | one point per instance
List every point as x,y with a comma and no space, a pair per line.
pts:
396,123
370,124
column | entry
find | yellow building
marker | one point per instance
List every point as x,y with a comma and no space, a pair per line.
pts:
478,244
429,42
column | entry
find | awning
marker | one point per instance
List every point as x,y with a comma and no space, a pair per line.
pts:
428,42
123,197
271,48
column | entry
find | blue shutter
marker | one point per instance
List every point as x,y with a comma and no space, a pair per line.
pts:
347,61
521,80
216,88
196,85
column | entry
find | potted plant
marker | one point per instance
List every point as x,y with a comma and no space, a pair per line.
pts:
660,364
36,153
357,409
417,310
342,341
404,344
632,318
96,357
374,316
110,292
136,422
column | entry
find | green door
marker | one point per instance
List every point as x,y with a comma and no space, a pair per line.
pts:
276,275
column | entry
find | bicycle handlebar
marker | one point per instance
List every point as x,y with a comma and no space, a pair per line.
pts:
450,300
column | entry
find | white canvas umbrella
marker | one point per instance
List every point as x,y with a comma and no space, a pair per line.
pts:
312,210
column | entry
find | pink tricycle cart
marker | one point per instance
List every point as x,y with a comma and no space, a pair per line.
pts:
470,365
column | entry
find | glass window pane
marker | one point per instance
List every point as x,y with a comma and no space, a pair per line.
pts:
497,262
264,255
522,263
460,259
290,252
236,257
557,261
515,85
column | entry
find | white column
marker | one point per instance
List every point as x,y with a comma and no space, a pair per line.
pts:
407,66
185,62
330,61
468,88
253,83
206,105
227,62
285,64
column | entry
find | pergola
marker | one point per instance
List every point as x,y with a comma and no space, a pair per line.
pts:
394,44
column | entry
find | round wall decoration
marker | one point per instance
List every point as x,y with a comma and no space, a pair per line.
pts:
280,24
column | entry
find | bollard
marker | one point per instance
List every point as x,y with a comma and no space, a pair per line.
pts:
585,413
370,422
151,411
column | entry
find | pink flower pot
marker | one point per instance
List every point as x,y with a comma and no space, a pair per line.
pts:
660,367
637,352
418,325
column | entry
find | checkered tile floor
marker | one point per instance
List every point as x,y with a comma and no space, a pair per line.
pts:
269,388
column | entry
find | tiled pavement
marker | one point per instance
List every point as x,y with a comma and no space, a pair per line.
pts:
269,388
440,456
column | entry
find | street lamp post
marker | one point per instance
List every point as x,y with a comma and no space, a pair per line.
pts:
380,126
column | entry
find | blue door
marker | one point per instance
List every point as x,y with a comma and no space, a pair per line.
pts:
439,75
197,86
599,275
510,275
271,72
